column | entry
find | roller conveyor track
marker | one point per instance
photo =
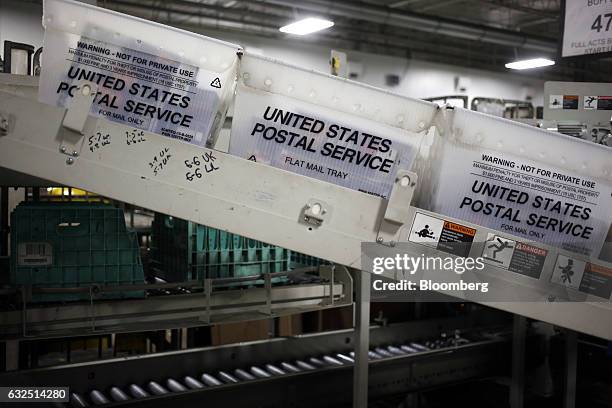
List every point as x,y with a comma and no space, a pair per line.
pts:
116,394
264,372
400,360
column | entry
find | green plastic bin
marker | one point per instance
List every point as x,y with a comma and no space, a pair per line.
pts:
70,244
188,251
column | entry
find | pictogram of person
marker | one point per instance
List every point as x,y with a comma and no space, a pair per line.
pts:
500,246
425,232
567,272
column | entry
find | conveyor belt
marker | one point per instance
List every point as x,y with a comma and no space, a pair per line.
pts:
269,204
317,368
149,389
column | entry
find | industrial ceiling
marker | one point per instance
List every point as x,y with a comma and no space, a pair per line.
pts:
482,34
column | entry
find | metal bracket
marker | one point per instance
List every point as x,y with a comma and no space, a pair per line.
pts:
4,125
208,294
268,285
328,272
74,120
316,212
397,212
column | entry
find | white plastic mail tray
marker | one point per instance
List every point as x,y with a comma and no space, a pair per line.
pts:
521,180
147,75
326,127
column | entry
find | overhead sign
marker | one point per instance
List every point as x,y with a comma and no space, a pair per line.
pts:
587,27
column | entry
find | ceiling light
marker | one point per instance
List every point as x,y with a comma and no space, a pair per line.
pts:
530,63
306,26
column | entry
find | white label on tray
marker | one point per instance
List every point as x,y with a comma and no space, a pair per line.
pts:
135,88
524,198
34,254
304,138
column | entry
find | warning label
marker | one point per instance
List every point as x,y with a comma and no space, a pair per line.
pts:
514,256
555,102
443,235
597,280
604,103
595,102
570,101
498,251
563,101
590,102
583,276
524,198
568,272
333,146
141,90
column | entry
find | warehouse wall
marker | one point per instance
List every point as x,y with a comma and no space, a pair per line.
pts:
21,21
418,79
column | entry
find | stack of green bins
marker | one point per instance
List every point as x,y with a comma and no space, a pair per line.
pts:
73,244
299,260
186,251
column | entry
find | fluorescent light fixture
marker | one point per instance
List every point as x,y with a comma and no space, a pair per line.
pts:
530,63
306,26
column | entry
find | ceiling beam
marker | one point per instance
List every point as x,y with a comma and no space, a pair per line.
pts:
360,39
406,42
421,22
439,4
521,8
402,3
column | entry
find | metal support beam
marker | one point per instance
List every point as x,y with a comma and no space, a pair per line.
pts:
517,387
4,223
571,365
362,339
257,201
11,355
516,6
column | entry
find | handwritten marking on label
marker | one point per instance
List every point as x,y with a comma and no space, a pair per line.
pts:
134,136
160,160
199,165
98,141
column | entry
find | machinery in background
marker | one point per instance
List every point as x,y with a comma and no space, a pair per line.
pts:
268,373
18,58
504,108
579,109
457,101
